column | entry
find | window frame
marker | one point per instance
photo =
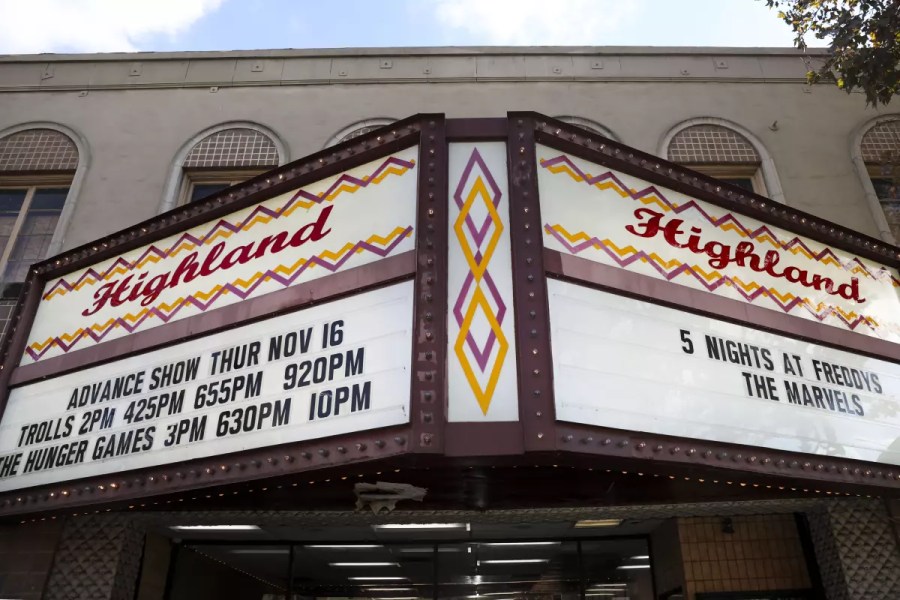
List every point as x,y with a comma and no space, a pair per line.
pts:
30,183
753,172
194,177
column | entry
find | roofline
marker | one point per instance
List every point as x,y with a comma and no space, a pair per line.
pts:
419,51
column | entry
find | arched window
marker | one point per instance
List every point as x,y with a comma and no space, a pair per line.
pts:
589,125
37,168
879,150
725,151
219,158
357,129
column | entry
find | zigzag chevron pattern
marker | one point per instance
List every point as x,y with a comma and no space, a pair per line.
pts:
713,280
224,229
727,222
284,275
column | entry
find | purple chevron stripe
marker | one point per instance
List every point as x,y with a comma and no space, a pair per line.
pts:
711,287
232,228
478,234
881,273
227,288
481,355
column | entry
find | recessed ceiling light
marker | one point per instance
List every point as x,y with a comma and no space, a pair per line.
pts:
598,523
215,528
389,526
342,546
634,567
521,543
378,578
642,557
364,564
608,585
512,561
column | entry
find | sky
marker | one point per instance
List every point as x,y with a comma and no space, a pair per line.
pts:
39,26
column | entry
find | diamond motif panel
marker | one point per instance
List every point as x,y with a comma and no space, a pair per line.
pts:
480,286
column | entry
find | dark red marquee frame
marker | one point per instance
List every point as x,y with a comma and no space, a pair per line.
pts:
428,439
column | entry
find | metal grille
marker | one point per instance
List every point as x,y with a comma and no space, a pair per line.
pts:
881,144
711,144
358,132
38,150
233,148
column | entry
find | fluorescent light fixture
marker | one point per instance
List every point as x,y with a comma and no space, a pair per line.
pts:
521,543
215,528
390,526
608,585
387,589
513,561
399,598
260,551
634,567
598,523
378,578
364,564
342,546
642,557
430,549
606,594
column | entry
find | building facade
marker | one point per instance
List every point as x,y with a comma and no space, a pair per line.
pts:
518,237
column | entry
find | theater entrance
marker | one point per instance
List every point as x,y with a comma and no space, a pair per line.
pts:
601,559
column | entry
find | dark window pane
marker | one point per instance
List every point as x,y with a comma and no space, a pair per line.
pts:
885,188
33,239
10,205
202,190
741,182
49,199
11,291
11,200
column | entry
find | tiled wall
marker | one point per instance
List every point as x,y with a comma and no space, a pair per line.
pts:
763,553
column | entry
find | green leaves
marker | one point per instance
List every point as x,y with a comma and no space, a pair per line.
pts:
865,42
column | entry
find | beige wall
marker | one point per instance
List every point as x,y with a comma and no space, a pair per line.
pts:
134,134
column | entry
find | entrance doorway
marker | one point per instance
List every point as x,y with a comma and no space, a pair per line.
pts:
416,561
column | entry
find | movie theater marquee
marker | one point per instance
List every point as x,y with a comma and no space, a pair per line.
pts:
526,295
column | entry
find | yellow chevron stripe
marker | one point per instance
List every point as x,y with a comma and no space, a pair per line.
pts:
243,226
381,240
728,226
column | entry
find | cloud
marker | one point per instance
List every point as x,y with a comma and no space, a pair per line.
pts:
33,26
537,22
